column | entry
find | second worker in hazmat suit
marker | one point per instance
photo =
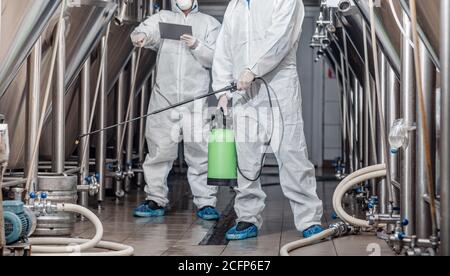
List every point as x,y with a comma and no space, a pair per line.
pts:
182,73
260,39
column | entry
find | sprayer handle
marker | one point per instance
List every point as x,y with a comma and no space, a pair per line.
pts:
224,118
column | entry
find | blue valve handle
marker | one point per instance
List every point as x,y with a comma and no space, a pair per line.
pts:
110,167
374,200
400,236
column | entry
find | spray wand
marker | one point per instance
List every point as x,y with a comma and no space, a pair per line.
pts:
231,88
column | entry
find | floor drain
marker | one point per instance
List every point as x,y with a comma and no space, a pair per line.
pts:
216,235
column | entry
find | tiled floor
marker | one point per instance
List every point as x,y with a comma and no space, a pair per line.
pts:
180,232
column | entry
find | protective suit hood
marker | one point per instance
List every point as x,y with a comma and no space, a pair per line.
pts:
175,8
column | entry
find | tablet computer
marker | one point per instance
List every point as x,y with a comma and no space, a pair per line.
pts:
174,31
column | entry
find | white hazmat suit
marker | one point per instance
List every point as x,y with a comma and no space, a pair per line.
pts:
181,73
263,37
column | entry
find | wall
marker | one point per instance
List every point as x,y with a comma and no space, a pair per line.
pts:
321,108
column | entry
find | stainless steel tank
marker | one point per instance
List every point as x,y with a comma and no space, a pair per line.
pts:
85,24
60,189
428,19
22,24
429,16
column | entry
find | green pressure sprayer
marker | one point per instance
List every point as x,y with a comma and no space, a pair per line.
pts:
222,157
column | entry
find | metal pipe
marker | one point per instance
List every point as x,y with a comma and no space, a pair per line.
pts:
144,104
409,115
120,93
58,153
355,122
101,121
338,72
427,199
382,36
70,163
373,125
33,113
445,128
350,95
361,125
131,125
367,90
349,99
344,126
423,220
383,189
14,183
85,107
373,134
423,37
49,168
5,179
392,114
72,171
2,221
366,122
345,123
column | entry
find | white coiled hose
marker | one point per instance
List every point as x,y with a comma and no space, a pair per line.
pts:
48,246
347,184
284,252
355,179
115,249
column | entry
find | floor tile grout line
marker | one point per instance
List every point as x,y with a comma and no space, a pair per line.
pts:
282,227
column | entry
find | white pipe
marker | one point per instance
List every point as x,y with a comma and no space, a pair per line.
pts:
343,188
399,24
349,182
75,247
305,242
117,249
361,172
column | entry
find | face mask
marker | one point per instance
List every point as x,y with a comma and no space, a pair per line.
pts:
184,4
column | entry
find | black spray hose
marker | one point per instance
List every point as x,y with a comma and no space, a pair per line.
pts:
263,159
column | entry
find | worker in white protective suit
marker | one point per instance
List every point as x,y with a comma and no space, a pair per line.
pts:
182,73
259,39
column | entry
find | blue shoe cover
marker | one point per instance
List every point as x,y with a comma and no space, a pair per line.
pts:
208,213
313,230
234,235
144,211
